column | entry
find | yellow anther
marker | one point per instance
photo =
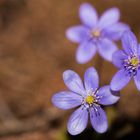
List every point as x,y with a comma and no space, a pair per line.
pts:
134,61
90,99
96,33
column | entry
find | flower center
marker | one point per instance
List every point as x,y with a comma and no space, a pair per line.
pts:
132,64
90,99
96,33
134,61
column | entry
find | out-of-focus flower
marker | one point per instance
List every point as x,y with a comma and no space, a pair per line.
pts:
96,34
89,99
128,61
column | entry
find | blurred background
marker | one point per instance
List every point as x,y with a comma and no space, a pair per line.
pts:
34,52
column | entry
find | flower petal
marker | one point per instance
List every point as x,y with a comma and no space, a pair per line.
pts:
109,17
91,79
139,51
98,119
108,97
129,42
120,80
73,82
77,33
114,32
137,80
106,48
88,15
118,58
78,121
85,52
66,100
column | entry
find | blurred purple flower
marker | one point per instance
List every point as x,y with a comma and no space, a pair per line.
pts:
88,98
128,61
96,34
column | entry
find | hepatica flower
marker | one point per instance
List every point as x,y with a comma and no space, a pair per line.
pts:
128,61
88,98
96,34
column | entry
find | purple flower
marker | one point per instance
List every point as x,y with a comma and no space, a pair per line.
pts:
96,34
128,61
89,99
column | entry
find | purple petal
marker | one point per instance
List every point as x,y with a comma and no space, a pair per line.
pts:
78,121
129,42
85,52
66,100
120,80
108,97
118,58
106,48
98,119
137,80
88,15
139,51
73,82
91,79
77,33
114,32
109,17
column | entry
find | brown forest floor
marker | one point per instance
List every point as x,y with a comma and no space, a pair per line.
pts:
33,54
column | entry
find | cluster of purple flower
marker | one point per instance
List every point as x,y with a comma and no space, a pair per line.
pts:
98,34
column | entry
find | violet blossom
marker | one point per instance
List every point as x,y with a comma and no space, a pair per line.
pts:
88,98
96,34
128,62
